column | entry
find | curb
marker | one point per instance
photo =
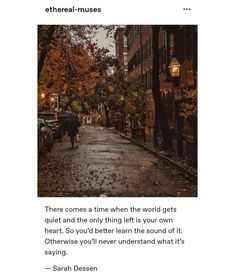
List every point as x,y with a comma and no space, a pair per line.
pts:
192,175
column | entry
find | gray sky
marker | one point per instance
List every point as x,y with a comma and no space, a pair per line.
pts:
102,41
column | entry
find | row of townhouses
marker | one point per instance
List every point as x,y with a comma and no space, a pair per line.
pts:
176,44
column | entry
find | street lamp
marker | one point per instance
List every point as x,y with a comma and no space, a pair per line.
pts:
55,102
42,101
175,74
174,67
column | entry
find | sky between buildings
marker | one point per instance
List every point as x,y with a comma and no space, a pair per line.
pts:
102,41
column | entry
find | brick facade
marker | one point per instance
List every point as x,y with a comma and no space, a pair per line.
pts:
174,40
121,49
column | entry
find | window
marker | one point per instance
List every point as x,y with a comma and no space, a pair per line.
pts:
172,45
117,50
125,41
165,38
171,40
164,49
144,52
148,48
125,59
180,45
189,41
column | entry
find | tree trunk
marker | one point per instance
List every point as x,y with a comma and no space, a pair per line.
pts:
160,120
107,116
45,49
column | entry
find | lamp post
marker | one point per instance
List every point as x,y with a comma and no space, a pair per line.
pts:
123,116
54,102
42,101
174,68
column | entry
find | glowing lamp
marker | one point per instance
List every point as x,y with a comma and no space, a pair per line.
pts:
174,67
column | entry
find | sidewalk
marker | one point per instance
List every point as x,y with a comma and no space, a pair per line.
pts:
190,172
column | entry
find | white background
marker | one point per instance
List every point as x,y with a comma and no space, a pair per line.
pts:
208,220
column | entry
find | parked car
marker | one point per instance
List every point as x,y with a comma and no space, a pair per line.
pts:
52,121
45,136
41,143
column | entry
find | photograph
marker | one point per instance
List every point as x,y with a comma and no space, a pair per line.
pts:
117,110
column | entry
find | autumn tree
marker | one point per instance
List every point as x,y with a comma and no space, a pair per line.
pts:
67,70
188,109
68,61
69,67
130,100
102,80
52,36
121,98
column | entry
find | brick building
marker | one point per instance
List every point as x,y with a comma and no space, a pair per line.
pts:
139,55
121,49
178,41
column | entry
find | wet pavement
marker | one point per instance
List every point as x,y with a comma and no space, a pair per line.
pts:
103,164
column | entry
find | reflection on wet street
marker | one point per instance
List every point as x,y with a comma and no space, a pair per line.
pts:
104,164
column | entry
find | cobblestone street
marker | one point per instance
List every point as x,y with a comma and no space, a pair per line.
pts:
103,164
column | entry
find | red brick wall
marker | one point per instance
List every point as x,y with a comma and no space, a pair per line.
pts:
186,72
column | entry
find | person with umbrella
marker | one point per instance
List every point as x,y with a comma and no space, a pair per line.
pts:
72,129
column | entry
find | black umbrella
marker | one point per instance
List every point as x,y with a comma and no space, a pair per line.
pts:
64,117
